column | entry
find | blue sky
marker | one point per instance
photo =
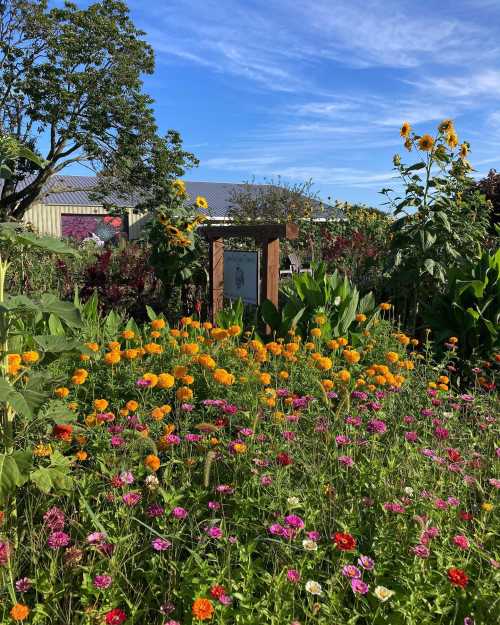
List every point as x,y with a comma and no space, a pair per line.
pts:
268,88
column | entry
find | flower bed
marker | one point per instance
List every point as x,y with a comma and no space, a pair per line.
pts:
220,479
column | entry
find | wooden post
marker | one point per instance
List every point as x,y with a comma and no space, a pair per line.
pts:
216,261
271,258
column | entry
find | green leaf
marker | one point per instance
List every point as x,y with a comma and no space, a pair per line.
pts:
9,395
64,310
270,314
429,266
56,344
58,412
14,471
49,244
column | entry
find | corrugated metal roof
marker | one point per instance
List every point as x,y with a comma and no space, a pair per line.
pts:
75,191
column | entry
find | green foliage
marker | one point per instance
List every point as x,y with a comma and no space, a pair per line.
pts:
231,315
469,309
307,295
74,75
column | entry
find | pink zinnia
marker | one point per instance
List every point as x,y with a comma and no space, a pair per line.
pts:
103,581
160,544
132,498
292,520
359,586
347,461
54,519
293,576
461,541
351,571
214,532
179,513
421,551
56,540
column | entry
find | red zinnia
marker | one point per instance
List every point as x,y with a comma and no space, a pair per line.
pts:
454,455
458,577
115,617
63,431
284,459
344,542
217,591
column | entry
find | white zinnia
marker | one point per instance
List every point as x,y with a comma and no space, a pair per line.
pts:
382,593
314,588
293,501
309,545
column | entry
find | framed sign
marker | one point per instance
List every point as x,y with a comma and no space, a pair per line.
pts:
241,276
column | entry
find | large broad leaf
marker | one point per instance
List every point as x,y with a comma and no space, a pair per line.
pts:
49,244
270,314
56,344
58,412
64,310
55,326
18,303
14,471
55,477
9,395
112,323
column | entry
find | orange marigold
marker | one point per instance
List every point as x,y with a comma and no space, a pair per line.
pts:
152,462
19,612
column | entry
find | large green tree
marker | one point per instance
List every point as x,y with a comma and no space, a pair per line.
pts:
71,90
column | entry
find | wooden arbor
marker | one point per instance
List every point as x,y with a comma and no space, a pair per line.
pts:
267,236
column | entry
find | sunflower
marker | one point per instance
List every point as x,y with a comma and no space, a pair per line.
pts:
446,126
426,143
201,202
408,144
405,130
452,139
464,150
179,187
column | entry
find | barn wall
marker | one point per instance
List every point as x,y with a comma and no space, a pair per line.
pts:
46,218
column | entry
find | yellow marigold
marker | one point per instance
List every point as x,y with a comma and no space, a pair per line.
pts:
186,321
392,357
487,506
114,346
42,450
152,462
426,143
309,346
385,306
130,354
61,392
284,375
180,371
453,340
128,334
14,359
188,380
223,377
442,387
360,318
184,393
83,357
219,334
360,382
206,361
265,378
101,404
342,341
30,358
153,348
94,347
152,378
207,325
19,612
316,332
81,455
380,380
112,358
132,405
414,342
72,405
175,332
327,384
190,348
239,448
320,320
351,355
333,344
158,324
443,379
234,330
344,375
201,202
241,352
324,363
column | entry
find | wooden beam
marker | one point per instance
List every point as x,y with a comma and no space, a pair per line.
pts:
216,268
259,232
271,258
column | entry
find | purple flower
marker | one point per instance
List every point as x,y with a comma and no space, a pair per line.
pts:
397,508
314,535
351,571
54,519
411,437
293,576
117,441
160,544
4,553
56,540
179,513
214,505
266,480
23,584
155,510
187,407
366,563
347,461
276,529
225,489
229,409
96,538
214,532
102,581
341,439
359,586
292,520
376,426
421,551
193,438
